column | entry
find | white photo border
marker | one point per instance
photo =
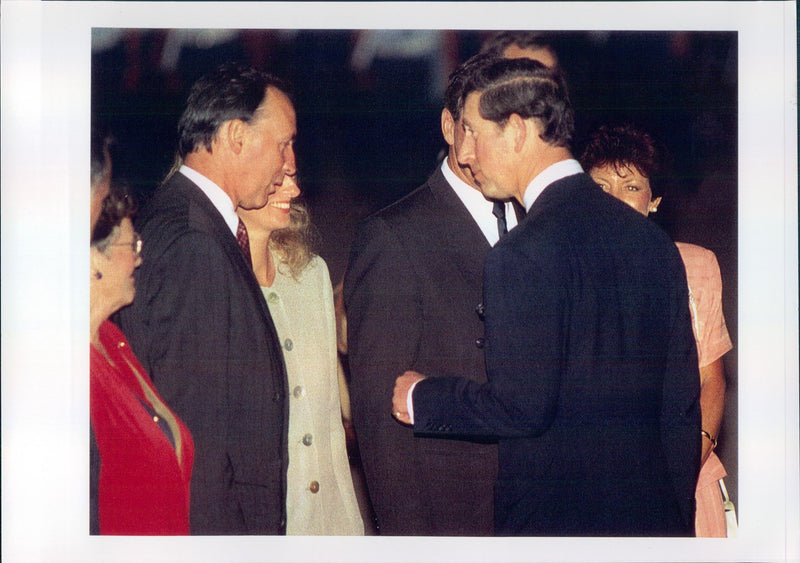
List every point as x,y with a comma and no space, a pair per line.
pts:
45,139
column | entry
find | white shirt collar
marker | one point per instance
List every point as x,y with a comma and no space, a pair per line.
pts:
219,199
547,176
478,206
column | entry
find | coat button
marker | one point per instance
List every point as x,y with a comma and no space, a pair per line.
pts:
298,392
308,439
277,397
288,344
480,342
480,310
313,487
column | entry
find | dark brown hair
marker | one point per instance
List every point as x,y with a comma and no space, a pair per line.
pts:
527,88
534,40
117,206
232,91
625,145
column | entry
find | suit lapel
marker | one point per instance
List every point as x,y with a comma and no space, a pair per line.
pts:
466,245
205,216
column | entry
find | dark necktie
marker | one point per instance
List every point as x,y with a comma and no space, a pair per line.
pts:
519,210
499,211
244,241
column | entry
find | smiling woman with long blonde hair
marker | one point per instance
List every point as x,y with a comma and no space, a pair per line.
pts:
320,498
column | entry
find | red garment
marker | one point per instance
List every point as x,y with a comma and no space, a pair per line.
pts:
143,489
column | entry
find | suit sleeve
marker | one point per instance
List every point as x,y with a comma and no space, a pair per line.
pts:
680,414
384,317
526,306
176,310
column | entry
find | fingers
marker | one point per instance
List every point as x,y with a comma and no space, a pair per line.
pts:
402,417
400,399
399,405
402,385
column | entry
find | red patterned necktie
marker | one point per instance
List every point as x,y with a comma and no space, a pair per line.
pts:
244,241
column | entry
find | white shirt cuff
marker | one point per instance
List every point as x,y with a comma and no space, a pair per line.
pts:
410,402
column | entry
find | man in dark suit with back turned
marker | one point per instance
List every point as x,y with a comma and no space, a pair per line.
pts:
592,385
200,324
411,291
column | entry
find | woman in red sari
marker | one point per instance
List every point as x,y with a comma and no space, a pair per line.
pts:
142,454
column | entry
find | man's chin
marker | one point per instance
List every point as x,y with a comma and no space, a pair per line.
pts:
490,191
251,205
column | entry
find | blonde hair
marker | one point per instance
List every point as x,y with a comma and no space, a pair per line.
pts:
293,244
177,162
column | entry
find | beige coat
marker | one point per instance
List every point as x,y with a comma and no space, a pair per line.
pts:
320,499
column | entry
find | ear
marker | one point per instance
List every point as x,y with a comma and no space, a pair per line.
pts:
654,203
520,129
448,127
97,260
231,134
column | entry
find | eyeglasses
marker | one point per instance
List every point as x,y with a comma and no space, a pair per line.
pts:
135,245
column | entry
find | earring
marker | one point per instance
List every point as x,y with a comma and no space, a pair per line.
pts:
98,275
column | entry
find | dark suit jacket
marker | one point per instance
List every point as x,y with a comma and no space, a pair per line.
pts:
412,285
200,326
593,384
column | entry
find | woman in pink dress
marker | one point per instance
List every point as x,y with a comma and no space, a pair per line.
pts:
625,162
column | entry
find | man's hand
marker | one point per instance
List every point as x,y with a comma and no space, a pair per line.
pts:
400,397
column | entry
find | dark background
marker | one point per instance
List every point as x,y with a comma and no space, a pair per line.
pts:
368,135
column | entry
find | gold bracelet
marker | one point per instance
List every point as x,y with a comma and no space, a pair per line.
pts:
710,438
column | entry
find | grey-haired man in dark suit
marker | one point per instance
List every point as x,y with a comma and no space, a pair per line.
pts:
200,324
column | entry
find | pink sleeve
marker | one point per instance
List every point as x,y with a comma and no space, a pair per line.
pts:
705,285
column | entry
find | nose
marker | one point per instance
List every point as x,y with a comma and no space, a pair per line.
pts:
465,154
291,187
289,164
